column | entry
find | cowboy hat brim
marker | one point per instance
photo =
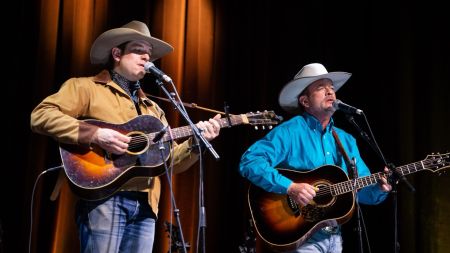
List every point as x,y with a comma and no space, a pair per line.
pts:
288,97
101,48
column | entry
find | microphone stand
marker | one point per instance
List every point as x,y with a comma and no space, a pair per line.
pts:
176,211
200,141
396,176
202,219
202,212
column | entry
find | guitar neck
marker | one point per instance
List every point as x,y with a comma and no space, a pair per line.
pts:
350,185
186,131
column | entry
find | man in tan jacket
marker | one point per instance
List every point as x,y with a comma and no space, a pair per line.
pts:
93,117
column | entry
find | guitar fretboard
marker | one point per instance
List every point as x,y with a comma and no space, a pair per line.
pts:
351,185
185,131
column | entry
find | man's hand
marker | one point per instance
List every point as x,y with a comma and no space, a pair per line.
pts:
302,193
111,141
211,128
383,182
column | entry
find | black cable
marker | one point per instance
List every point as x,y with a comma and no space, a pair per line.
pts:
32,201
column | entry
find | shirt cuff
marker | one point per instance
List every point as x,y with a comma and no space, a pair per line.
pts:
284,184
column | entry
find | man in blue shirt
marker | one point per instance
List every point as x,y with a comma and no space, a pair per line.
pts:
304,143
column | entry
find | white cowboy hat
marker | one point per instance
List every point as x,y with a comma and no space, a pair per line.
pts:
135,30
288,98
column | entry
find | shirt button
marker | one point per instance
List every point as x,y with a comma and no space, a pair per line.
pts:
328,153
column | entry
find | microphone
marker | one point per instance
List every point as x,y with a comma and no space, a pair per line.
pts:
151,68
339,105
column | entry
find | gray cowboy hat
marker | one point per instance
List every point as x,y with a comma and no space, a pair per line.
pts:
135,30
288,98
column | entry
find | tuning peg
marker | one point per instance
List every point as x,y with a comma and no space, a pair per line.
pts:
270,127
256,127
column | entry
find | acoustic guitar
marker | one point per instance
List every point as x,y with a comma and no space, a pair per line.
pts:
95,174
283,225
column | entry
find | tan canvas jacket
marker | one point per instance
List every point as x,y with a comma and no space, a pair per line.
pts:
61,116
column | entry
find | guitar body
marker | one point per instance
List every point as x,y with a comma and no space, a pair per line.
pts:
283,225
95,174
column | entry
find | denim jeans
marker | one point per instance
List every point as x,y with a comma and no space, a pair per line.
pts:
321,242
122,223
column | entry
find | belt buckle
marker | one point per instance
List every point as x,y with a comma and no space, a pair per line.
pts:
331,229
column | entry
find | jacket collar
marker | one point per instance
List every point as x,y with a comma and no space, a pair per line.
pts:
105,78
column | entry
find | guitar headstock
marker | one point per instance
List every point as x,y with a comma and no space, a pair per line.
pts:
437,162
265,119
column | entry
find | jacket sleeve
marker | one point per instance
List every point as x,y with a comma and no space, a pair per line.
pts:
56,116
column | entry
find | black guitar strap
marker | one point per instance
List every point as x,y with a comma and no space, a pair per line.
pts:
347,159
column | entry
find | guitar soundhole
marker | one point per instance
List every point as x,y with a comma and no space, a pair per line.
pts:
314,210
323,196
139,143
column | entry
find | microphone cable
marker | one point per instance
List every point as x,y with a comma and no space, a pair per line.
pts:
32,201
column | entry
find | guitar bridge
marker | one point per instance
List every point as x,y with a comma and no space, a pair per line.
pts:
312,213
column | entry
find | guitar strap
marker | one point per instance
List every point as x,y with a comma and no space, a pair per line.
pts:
342,150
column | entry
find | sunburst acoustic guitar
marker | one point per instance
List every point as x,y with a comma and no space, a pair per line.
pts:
283,225
95,174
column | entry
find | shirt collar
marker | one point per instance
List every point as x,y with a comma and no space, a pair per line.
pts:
315,124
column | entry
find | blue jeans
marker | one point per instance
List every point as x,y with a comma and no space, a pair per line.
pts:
122,223
321,242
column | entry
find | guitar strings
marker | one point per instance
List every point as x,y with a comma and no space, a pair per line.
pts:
347,186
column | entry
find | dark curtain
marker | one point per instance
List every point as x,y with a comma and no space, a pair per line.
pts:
238,53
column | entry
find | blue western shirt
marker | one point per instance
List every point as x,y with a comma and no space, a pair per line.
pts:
301,144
